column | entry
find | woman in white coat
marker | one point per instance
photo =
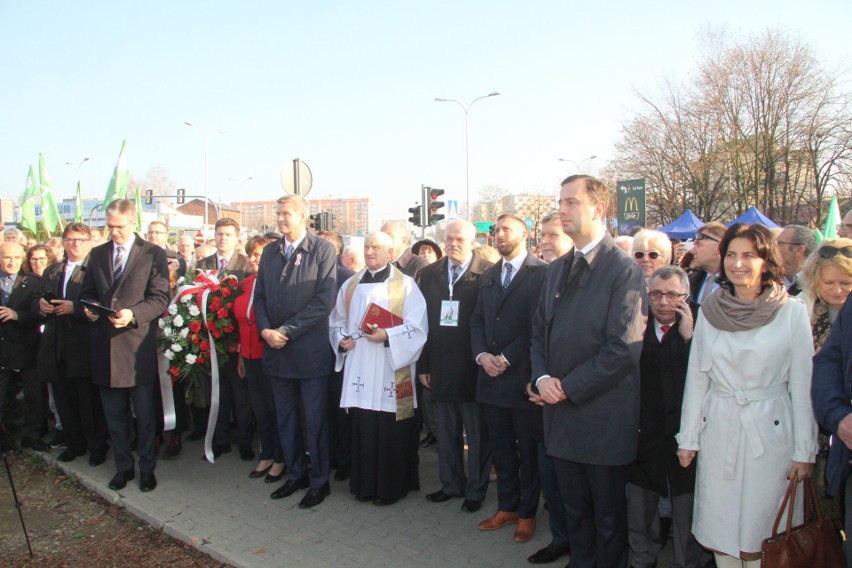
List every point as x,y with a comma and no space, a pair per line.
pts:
747,407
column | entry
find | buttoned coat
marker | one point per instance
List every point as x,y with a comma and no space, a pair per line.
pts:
127,357
447,356
19,338
501,324
297,295
587,333
66,339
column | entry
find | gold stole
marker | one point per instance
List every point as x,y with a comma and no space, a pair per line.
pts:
402,377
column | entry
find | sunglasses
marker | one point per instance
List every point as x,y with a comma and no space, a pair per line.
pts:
702,236
652,254
831,252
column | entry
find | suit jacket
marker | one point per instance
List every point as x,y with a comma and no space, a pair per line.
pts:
238,265
662,370
410,264
297,296
127,357
66,340
696,282
447,356
831,392
588,332
501,323
19,338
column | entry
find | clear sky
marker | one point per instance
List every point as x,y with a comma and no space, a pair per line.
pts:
349,87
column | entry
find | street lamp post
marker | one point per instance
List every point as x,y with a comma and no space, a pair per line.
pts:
240,193
577,165
466,110
206,137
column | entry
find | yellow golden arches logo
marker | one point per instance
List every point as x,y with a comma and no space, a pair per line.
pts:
631,204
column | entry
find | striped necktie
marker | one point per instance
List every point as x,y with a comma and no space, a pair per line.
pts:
118,263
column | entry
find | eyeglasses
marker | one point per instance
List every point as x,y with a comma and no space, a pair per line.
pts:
830,251
75,241
703,236
652,254
656,296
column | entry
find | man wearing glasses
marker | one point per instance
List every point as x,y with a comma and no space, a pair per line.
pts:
795,243
706,260
656,473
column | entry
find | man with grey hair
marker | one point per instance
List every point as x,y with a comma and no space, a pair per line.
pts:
656,473
403,258
352,258
844,229
795,243
554,241
12,235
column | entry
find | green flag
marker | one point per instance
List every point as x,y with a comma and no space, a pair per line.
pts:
28,203
818,235
832,220
138,201
78,205
49,211
118,184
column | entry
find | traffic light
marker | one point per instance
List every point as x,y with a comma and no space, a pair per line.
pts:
416,218
149,196
316,222
181,196
330,223
434,210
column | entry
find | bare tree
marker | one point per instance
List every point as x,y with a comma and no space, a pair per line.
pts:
490,203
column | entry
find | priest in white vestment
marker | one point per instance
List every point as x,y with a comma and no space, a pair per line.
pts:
379,375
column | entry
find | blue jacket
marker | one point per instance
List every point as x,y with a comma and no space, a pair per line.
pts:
831,392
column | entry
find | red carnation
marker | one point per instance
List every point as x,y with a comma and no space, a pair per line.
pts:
195,327
200,360
228,328
221,313
217,334
205,347
226,291
211,326
174,371
194,338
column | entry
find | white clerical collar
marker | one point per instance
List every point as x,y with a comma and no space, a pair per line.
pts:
374,272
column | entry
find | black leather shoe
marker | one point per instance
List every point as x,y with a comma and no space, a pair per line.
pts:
438,497
428,440
120,479
255,473
223,449
195,435
379,502
471,506
97,458
36,445
69,455
274,478
343,473
147,481
290,486
315,496
550,553
246,453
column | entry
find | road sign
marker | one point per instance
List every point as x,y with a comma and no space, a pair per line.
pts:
529,222
199,238
452,209
297,173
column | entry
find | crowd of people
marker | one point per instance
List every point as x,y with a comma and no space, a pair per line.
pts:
640,386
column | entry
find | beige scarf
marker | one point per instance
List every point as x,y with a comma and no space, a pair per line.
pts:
727,312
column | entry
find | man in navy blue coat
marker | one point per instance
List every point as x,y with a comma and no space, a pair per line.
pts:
295,293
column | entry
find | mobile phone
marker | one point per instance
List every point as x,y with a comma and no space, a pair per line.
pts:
48,296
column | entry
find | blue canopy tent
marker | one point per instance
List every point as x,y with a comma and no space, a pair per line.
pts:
753,216
684,227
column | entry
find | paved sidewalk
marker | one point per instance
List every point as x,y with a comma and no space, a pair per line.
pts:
222,512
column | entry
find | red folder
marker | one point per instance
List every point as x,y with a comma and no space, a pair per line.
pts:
379,317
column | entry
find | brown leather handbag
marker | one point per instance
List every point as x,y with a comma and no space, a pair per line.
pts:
816,543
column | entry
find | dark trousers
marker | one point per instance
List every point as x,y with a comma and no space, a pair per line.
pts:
427,408
7,391
35,404
339,424
454,421
233,399
596,510
643,521
116,403
552,496
181,409
313,394
79,406
513,453
263,406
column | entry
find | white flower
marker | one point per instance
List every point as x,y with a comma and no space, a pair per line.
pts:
176,347
177,321
184,333
169,355
167,331
173,309
190,359
186,299
193,310
162,323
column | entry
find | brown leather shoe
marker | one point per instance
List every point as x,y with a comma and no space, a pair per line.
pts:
525,530
498,521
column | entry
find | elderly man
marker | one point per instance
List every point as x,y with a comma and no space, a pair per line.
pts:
18,341
186,248
706,260
352,258
844,229
554,241
13,235
656,473
587,335
500,337
447,367
378,385
158,234
651,250
795,243
294,295
403,258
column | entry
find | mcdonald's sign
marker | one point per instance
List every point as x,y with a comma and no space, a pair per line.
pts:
631,205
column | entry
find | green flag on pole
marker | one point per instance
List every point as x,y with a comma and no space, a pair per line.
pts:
138,201
49,210
118,184
28,203
832,219
78,204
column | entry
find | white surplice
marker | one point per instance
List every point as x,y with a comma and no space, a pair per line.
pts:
368,378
